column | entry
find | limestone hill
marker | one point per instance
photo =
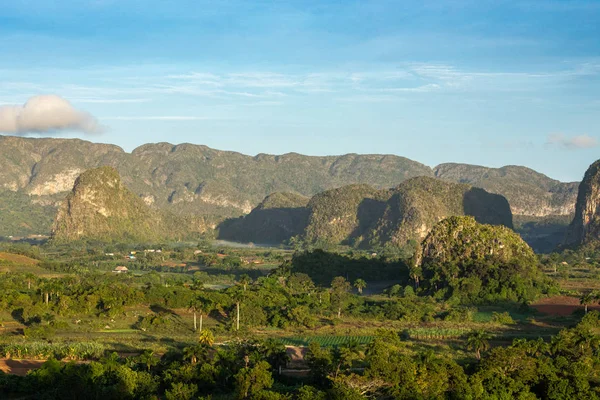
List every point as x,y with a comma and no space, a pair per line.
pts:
476,262
585,227
100,207
363,216
191,179
419,203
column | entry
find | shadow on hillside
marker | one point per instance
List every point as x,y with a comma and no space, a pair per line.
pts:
265,226
323,266
487,208
368,213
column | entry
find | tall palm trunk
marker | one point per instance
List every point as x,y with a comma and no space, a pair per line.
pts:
195,327
201,322
237,326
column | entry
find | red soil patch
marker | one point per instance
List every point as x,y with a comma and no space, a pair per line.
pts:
296,355
19,367
560,305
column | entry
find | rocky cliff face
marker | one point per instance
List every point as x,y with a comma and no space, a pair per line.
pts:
585,227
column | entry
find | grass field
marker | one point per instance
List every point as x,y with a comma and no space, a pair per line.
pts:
17,263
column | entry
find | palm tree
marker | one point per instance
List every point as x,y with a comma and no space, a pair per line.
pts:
587,299
147,358
206,338
237,295
194,306
245,280
360,284
195,353
478,341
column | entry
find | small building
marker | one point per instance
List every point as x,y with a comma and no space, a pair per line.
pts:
120,269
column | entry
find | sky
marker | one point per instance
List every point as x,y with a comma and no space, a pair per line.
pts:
482,82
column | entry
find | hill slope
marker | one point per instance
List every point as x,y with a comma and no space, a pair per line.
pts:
278,218
363,216
527,191
419,203
477,263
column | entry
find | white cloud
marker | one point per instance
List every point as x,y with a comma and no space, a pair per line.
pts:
45,114
572,142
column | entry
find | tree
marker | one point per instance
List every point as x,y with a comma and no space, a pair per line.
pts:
203,306
275,353
339,293
251,381
148,359
194,306
196,352
345,355
206,338
587,299
360,284
237,295
245,280
478,342
181,391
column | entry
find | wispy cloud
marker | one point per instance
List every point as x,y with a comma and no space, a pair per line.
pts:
572,142
110,101
160,118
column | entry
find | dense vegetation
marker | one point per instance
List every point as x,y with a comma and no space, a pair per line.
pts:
473,262
216,326
564,368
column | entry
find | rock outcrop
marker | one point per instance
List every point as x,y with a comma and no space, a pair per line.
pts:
585,227
100,207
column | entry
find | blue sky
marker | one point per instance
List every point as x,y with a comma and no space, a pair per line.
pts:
483,82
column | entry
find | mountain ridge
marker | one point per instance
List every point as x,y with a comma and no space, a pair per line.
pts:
189,179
